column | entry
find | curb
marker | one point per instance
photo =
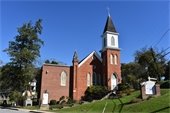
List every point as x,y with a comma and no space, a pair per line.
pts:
34,111
25,110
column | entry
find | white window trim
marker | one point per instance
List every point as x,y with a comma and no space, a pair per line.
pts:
88,79
112,41
115,60
62,81
111,58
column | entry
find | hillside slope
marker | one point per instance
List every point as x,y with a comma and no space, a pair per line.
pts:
127,104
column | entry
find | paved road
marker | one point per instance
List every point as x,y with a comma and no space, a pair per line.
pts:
3,110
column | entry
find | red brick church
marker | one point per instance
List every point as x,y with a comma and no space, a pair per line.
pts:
72,81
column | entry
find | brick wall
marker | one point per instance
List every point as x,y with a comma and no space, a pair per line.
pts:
90,66
108,68
50,81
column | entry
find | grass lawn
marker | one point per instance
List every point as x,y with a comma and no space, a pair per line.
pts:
30,107
157,104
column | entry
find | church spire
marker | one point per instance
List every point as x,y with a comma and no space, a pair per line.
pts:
108,11
75,56
109,25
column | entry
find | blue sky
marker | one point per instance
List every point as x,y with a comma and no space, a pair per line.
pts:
74,25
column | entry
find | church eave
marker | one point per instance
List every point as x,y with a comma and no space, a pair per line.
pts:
90,55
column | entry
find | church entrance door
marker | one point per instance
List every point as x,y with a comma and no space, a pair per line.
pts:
113,81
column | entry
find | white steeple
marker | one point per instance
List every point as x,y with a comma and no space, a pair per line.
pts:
110,35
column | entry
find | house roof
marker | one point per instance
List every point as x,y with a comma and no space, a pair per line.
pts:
109,25
88,56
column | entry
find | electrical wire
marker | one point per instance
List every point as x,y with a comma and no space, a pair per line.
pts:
162,37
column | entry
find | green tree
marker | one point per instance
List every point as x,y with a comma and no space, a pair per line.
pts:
23,52
51,62
38,79
1,62
131,74
152,62
167,71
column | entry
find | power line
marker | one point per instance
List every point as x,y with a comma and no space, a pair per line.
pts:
164,50
162,37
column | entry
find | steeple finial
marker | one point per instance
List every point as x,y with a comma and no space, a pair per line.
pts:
75,56
108,11
109,24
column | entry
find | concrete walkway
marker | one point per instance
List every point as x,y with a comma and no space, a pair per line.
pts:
34,111
25,110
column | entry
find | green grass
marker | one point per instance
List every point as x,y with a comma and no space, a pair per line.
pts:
157,104
30,107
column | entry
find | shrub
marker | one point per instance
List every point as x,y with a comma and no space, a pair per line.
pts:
124,89
16,96
62,98
62,102
58,106
95,93
53,102
165,84
70,101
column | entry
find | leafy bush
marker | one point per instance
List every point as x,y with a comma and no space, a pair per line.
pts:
63,102
53,102
58,106
95,93
16,96
62,98
124,89
165,84
70,101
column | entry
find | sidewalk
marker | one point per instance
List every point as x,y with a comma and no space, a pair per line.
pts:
25,110
34,111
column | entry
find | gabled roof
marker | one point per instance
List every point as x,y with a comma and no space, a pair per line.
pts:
90,55
109,25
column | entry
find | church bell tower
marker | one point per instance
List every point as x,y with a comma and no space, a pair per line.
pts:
110,54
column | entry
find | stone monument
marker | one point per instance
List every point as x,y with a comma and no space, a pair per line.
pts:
150,88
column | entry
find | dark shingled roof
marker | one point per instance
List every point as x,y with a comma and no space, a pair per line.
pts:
109,25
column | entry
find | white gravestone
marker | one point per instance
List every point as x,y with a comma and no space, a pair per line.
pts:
45,99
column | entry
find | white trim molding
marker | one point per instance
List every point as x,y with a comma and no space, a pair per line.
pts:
89,56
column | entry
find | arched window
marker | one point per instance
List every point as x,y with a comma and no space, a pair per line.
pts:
63,78
112,41
115,60
88,79
94,79
111,59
